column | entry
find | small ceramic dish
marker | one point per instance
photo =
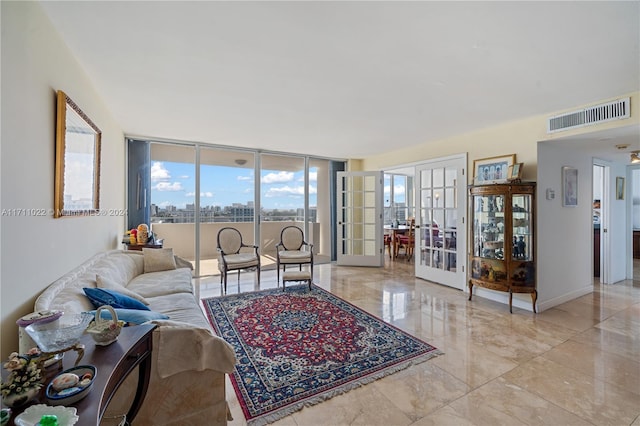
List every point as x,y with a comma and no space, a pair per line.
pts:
32,415
71,385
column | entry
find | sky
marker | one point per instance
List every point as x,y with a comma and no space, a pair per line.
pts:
174,184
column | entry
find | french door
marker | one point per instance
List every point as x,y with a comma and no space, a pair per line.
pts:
440,221
359,203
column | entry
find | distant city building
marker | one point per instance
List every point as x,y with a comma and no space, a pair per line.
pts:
237,212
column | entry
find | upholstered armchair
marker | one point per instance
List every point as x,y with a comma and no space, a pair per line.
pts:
293,250
235,255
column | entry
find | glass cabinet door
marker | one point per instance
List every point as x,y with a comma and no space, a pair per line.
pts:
521,245
488,226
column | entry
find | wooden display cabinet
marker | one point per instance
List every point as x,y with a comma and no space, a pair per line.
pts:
503,239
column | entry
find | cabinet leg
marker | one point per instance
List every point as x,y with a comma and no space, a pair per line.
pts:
510,301
534,299
470,289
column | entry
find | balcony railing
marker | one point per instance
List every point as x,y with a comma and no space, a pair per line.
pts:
181,237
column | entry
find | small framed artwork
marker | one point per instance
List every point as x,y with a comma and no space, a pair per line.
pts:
493,169
619,188
569,186
514,172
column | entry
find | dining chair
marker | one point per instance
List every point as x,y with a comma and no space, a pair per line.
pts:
235,255
289,251
407,241
388,243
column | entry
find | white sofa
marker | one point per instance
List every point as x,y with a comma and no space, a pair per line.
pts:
187,385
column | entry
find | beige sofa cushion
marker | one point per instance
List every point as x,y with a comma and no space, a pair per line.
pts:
106,283
161,283
156,260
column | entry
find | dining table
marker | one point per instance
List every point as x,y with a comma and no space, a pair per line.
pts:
394,231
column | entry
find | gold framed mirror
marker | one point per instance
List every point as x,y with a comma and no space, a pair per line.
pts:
77,179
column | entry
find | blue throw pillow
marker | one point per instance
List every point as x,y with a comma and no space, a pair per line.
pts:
131,316
103,296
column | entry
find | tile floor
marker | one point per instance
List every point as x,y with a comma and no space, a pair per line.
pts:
575,364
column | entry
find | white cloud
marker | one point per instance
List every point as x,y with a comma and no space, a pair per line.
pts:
248,178
167,186
313,177
183,177
284,191
280,177
206,194
159,172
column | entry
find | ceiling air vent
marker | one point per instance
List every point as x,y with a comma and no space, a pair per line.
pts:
596,114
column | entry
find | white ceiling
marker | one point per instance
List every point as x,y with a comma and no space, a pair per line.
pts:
347,79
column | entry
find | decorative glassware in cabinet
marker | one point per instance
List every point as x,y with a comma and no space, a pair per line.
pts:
522,237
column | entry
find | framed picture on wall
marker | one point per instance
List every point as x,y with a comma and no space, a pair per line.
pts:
569,186
493,169
619,188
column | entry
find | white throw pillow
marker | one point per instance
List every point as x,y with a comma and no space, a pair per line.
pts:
107,283
156,260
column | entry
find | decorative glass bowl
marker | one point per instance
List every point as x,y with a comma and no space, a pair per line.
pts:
59,335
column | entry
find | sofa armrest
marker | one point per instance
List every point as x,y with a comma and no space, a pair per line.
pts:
183,347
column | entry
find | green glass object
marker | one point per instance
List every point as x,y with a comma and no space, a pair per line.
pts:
48,420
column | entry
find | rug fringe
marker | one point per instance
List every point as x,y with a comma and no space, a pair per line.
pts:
317,399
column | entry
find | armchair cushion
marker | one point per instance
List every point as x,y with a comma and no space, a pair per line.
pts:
294,255
240,260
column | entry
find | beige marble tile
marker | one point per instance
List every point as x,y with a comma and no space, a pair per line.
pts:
601,365
612,301
445,416
609,341
509,344
422,389
572,320
362,406
501,402
470,363
591,399
625,323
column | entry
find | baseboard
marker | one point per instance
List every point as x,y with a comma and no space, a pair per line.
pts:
523,301
548,304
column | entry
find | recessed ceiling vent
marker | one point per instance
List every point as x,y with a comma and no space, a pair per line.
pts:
596,114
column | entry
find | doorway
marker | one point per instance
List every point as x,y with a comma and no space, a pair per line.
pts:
598,200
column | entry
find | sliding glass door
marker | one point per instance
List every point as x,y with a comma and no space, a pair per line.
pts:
191,191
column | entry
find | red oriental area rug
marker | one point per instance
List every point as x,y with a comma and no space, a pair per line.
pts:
299,347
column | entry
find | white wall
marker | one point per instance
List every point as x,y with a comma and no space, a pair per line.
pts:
620,235
37,250
565,235
635,185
